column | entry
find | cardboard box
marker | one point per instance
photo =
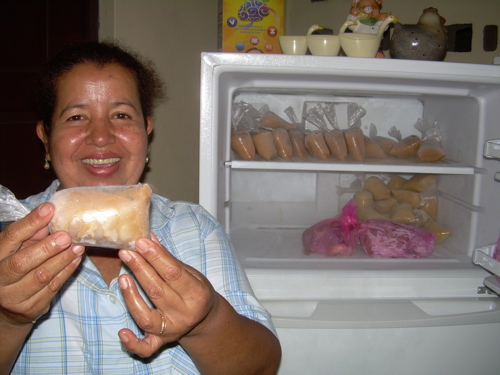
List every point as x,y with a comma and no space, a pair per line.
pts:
249,26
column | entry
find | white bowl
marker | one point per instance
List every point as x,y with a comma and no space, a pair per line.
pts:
360,44
323,45
293,45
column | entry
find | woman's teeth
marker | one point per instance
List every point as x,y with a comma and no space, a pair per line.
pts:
100,161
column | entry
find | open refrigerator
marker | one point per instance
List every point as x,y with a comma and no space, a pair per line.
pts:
351,314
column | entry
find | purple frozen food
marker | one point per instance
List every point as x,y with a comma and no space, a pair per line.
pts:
387,239
333,236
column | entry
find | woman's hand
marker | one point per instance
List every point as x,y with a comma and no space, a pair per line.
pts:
190,311
33,266
183,297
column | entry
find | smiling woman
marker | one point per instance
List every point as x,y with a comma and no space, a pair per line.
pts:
180,303
99,135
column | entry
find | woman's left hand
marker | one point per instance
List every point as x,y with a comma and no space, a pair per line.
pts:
183,297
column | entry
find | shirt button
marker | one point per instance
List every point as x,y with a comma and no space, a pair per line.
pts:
112,299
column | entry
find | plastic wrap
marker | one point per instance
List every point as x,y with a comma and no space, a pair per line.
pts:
297,140
297,136
264,144
264,133
333,236
354,137
315,139
430,149
244,115
407,147
386,239
378,236
104,216
271,120
316,145
245,119
242,143
385,144
10,208
283,143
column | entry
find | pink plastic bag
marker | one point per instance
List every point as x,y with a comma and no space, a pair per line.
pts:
386,239
333,236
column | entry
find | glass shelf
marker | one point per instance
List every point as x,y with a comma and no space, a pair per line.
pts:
394,166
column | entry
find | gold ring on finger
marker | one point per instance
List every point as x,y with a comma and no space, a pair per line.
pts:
163,324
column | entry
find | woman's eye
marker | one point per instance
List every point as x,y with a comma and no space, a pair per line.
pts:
122,116
75,118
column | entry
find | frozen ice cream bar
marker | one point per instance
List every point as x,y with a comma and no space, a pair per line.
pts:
105,216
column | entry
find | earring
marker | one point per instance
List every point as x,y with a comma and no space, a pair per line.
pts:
147,156
46,165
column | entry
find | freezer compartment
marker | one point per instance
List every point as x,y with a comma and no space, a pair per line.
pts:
459,97
270,210
269,203
375,113
265,205
275,207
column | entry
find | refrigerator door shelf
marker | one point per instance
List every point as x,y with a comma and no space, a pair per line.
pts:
492,283
492,149
483,257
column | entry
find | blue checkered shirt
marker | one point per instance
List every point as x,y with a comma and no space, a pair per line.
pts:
79,334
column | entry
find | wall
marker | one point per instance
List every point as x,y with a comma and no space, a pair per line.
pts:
301,14
173,33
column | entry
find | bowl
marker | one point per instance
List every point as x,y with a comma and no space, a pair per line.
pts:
323,45
293,44
360,44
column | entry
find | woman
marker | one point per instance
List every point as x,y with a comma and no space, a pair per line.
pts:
180,304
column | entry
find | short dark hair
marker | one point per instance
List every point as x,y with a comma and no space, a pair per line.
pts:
149,83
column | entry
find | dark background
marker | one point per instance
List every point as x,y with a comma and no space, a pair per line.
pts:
31,31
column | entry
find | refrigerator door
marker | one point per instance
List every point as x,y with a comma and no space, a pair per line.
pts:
458,350
484,258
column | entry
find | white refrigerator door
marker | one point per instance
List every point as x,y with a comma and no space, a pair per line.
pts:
462,350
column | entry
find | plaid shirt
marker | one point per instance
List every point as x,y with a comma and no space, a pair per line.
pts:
79,334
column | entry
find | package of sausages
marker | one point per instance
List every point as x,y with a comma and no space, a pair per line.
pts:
103,216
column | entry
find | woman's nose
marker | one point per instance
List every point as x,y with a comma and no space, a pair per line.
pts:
100,133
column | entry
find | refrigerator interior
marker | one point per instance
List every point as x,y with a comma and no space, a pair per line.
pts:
265,206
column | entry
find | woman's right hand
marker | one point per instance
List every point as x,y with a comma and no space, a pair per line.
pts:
34,264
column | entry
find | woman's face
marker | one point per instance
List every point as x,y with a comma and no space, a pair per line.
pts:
98,136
